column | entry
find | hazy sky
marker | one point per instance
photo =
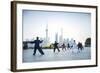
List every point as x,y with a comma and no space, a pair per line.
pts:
74,24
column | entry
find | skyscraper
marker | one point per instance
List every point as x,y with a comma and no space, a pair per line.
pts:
61,36
56,37
47,38
47,32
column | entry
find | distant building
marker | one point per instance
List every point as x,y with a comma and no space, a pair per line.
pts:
46,33
61,37
56,37
46,42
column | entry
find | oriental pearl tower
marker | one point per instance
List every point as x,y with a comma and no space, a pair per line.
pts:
46,34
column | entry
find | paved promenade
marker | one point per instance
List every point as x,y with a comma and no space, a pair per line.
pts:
57,56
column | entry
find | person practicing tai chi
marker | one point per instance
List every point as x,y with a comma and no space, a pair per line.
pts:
37,46
80,46
63,46
56,46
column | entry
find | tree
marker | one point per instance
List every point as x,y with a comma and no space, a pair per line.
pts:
88,42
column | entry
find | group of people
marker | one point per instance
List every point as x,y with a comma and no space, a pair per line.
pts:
70,45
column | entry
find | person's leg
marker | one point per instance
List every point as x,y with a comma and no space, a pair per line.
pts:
58,49
54,49
65,48
62,48
40,50
78,48
34,51
81,48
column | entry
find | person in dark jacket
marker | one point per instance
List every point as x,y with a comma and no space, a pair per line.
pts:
37,46
80,46
63,46
56,46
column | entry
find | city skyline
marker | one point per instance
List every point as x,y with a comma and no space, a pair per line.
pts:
66,24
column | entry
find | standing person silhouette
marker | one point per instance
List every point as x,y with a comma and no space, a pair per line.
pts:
37,46
80,46
56,46
63,46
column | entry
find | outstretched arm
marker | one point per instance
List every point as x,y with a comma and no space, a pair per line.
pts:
41,41
31,41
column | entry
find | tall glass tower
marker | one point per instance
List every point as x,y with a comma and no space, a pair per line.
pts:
47,32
